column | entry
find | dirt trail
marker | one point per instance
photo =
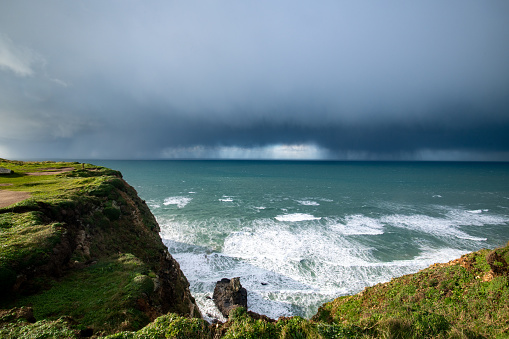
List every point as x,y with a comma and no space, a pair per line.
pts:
52,171
11,197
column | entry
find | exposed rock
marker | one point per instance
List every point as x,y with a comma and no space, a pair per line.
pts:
17,314
497,263
257,316
229,294
5,170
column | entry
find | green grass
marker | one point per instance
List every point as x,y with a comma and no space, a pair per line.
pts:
30,229
26,241
169,326
55,187
36,166
103,296
44,329
441,301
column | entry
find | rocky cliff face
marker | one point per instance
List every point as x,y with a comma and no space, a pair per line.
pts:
92,229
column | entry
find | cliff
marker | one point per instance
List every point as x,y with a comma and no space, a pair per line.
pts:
82,244
80,255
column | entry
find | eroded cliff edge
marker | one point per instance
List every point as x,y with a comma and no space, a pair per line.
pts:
85,245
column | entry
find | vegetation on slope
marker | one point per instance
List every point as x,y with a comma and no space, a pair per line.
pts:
465,298
83,247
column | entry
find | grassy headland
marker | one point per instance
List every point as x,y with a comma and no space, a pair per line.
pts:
84,246
82,256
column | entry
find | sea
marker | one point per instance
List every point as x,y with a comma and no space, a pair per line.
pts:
301,233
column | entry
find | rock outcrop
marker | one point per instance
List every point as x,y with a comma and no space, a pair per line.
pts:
229,294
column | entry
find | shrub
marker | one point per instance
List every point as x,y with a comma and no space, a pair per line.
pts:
112,213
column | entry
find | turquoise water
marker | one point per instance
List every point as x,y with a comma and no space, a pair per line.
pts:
302,233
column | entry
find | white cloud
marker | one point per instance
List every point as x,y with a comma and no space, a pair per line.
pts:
270,152
60,82
17,59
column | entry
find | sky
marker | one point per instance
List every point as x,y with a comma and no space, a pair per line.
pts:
346,80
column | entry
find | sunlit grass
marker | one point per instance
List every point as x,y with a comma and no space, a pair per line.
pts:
54,186
464,297
102,296
26,240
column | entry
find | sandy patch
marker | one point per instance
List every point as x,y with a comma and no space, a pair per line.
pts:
5,184
52,171
11,197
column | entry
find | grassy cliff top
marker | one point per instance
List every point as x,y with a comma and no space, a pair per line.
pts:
52,181
81,245
30,228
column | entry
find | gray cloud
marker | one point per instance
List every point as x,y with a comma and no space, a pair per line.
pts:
15,58
367,80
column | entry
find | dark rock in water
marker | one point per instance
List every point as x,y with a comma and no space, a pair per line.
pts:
229,294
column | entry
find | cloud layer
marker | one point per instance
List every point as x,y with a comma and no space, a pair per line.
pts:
130,79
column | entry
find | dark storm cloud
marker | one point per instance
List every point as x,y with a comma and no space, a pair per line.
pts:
130,79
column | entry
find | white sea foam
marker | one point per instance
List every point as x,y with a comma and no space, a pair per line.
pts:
430,256
298,255
180,201
308,202
357,224
462,217
328,265
294,217
299,264
447,225
153,204
304,263
207,307
226,199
